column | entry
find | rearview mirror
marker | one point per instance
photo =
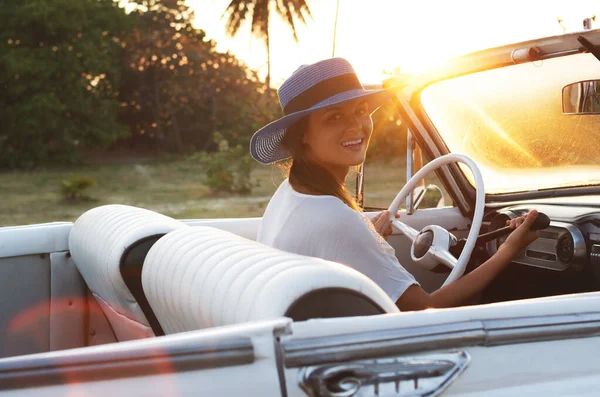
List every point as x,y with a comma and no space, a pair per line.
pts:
582,97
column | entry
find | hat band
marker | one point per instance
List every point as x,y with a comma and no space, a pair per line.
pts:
321,91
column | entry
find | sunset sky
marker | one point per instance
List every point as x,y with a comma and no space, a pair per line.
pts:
378,35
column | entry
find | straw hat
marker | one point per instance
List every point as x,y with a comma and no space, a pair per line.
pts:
309,88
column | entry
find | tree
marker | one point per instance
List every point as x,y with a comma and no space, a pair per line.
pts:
59,73
259,12
178,90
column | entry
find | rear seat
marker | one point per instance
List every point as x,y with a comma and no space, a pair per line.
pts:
204,277
108,245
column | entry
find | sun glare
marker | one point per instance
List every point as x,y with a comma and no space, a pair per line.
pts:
380,37
500,133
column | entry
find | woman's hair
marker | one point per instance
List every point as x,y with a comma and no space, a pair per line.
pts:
302,172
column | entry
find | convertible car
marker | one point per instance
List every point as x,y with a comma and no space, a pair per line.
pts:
126,301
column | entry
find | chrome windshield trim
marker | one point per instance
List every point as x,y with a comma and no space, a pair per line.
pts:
373,344
410,148
498,57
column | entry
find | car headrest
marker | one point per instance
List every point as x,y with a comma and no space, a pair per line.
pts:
204,277
108,245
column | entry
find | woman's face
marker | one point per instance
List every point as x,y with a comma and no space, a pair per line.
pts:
338,136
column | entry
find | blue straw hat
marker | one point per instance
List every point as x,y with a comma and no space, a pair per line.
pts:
309,88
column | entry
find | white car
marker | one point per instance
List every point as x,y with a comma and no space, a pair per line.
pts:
129,302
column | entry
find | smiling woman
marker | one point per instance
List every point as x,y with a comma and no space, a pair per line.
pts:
326,130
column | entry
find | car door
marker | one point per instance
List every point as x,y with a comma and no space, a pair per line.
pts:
543,347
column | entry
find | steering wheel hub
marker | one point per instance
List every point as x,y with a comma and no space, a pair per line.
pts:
422,243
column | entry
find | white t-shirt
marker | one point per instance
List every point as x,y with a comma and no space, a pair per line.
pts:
325,227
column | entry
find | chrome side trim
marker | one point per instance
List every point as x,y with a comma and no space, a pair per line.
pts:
422,375
340,348
157,357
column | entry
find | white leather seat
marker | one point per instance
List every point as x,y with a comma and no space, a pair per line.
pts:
102,242
202,277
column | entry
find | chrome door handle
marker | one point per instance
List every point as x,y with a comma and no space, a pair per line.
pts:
425,375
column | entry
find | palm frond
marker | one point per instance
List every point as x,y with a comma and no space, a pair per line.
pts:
235,14
258,11
260,18
292,10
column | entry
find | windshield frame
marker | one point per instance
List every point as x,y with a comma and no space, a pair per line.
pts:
495,58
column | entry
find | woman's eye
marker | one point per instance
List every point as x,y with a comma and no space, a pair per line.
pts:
335,117
361,112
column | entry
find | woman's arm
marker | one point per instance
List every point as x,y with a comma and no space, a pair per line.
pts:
467,287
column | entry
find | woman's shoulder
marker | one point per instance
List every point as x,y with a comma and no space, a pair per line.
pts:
317,210
328,211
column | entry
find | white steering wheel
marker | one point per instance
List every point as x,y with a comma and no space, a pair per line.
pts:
430,246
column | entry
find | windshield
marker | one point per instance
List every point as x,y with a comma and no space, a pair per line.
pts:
510,122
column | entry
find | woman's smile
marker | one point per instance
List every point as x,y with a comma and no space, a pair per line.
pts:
353,143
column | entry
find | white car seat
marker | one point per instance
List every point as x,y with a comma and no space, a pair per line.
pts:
202,277
108,245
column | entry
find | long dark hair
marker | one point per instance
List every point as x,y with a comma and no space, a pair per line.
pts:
302,172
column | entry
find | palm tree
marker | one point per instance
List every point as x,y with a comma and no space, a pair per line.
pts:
259,11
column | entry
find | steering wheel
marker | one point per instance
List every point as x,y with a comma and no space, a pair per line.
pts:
431,245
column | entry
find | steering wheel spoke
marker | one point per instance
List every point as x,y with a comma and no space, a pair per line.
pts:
405,229
446,258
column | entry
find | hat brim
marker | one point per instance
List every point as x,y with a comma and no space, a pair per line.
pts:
265,145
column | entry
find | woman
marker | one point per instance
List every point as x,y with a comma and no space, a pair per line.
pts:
326,130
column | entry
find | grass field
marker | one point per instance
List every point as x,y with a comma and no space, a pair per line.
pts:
172,188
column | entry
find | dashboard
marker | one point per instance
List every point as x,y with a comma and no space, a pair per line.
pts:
571,242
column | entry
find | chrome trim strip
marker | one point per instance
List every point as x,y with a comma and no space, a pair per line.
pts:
280,366
339,348
410,146
117,361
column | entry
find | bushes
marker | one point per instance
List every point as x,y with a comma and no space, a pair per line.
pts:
228,169
73,189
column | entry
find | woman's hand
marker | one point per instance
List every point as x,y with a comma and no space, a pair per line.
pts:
522,236
382,223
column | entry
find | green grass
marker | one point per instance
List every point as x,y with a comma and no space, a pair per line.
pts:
172,188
